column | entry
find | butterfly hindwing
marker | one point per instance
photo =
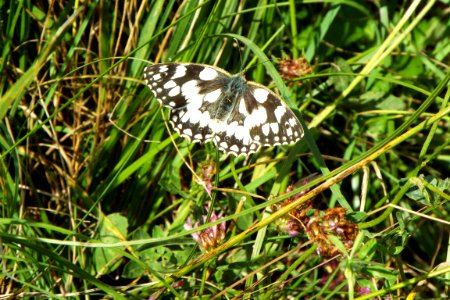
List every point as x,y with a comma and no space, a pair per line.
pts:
207,103
280,126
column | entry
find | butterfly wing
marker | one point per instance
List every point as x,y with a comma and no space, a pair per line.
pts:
279,125
260,118
207,103
191,91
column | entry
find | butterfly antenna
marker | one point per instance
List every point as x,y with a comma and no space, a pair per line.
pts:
242,72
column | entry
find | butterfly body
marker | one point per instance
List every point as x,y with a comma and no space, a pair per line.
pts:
207,103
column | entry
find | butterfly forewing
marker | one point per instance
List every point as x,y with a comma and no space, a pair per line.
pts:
207,103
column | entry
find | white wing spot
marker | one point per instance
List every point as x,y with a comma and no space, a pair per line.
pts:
180,71
190,90
234,148
156,77
261,95
242,108
188,131
194,116
223,145
256,118
280,111
204,119
159,90
213,96
208,74
171,103
265,129
198,136
232,129
163,68
275,128
175,91
242,134
185,117
289,131
169,84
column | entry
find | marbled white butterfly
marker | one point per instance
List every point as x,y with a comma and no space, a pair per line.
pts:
207,103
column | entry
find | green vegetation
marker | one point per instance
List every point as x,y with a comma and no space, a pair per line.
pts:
101,199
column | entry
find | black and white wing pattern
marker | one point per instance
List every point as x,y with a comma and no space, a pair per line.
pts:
207,103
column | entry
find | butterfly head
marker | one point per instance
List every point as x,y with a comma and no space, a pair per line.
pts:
235,86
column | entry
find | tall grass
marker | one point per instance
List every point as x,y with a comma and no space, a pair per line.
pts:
101,199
